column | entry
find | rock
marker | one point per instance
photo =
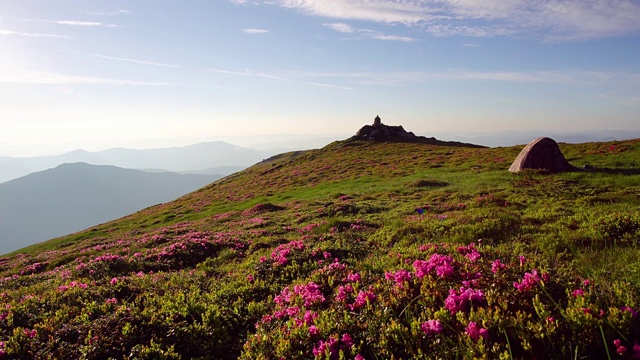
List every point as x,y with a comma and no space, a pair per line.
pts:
381,132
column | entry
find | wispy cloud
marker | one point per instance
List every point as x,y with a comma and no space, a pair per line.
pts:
280,77
340,27
541,77
331,85
109,13
366,33
78,23
130,60
255,31
553,20
17,33
24,76
384,37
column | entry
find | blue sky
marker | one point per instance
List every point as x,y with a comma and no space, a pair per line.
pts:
96,74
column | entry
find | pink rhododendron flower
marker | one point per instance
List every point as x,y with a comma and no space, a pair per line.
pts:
355,277
343,292
475,332
529,281
440,263
631,310
114,281
497,265
577,292
362,298
347,340
620,349
462,299
309,317
431,327
523,260
399,276
313,330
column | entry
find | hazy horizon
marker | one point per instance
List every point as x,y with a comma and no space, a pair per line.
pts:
95,75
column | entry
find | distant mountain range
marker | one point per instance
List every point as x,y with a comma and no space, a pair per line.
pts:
73,197
511,138
208,158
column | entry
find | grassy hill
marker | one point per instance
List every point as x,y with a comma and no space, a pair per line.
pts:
359,250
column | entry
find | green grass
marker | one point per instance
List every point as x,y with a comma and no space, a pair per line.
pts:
182,269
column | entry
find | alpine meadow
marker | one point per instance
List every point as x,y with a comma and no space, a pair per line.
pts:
358,250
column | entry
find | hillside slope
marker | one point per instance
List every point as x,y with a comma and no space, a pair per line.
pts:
360,250
73,197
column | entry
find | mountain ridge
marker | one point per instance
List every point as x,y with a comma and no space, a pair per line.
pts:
194,157
74,196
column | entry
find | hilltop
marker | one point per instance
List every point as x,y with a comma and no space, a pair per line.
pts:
361,249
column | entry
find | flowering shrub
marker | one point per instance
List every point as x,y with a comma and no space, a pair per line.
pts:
363,261
451,303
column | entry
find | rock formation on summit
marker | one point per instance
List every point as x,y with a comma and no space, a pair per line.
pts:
381,132
542,153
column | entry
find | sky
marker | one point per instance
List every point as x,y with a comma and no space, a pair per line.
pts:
95,74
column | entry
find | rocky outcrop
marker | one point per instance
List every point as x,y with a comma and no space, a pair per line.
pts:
542,153
381,132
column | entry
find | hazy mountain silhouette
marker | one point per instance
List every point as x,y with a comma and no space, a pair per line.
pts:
193,159
72,197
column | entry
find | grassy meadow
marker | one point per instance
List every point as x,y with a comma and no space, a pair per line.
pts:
359,250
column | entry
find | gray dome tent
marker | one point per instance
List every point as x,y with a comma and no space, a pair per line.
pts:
542,153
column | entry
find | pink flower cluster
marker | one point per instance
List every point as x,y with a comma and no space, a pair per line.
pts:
476,332
310,294
279,255
497,265
343,292
461,300
431,327
362,299
333,346
470,252
399,277
440,263
530,280
72,284
620,349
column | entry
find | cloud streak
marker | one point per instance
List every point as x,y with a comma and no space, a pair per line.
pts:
79,23
551,20
130,60
36,35
366,33
255,31
23,76
109,13
532,77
